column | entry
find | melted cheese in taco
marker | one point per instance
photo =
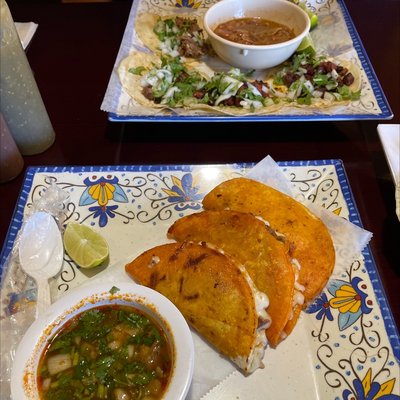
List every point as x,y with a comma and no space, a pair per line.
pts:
215,295
311,242
250,242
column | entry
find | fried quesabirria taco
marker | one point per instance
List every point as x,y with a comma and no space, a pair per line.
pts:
309,236
258,248
214,294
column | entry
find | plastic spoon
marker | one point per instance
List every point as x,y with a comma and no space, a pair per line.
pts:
41,254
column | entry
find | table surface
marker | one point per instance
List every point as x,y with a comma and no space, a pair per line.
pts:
73,53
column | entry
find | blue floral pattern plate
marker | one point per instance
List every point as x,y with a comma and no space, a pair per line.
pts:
334,36
346,345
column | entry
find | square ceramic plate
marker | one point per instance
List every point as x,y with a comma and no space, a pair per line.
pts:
334,352
334,36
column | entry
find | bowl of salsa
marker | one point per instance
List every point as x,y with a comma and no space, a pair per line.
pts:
256,34
117,341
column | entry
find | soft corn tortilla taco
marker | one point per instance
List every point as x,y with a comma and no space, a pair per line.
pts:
315,82
173,35
312,244
157,81
215,295
167,83
253,244
144,27
130,74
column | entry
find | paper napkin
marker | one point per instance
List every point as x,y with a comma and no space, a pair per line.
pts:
390,138
26,30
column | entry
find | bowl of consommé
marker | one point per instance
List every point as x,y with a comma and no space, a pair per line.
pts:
117,341
255,34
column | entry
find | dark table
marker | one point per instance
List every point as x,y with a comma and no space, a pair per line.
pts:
72,55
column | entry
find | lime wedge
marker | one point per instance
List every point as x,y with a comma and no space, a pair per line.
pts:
306,45
85,246
313,19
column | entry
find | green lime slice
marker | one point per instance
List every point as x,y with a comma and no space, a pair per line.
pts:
313,20
306,46
86,247
313,17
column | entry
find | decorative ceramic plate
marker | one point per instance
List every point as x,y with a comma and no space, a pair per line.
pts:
345,346
334,36
46,327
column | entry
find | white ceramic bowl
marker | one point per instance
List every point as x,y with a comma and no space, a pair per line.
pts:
255,56
23,376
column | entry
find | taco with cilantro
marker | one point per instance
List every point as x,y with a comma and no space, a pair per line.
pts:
310,80
174,36
304,81
168,82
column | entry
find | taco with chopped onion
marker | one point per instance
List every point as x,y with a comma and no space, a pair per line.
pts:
165,82
215,295
159,81
176,36
311,242
263,253
315,81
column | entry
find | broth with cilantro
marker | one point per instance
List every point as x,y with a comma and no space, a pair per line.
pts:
108,352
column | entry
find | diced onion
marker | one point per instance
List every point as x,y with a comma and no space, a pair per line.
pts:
317,93
59,363
331,86
329,96
46,384
308,86
169,94
253,89
114,345
251,103
334,74
222,98
131,350
121,394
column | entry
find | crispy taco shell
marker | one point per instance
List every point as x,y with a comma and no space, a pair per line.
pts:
250,242
214,294
310,238
292,321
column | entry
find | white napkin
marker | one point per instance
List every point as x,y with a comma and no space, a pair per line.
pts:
390,138
26,30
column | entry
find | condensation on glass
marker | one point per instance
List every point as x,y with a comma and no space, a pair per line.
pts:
20,101
11,161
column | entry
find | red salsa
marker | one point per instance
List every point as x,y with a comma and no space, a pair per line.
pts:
254,31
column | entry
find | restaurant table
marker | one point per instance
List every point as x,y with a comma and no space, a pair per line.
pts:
72,55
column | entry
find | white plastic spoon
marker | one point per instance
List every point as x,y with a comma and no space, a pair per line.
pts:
41,254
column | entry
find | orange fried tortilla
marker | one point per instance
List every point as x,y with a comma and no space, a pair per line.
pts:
310,238
214,294
250,242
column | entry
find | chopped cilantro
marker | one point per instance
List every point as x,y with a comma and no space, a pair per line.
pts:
137,70
114,290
